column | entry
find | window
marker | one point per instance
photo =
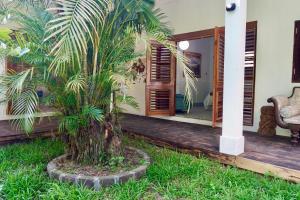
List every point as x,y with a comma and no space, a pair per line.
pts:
296,62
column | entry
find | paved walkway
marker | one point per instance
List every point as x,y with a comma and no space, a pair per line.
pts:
275,150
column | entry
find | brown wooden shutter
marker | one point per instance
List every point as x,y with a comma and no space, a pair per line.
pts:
219,52
160,82
250,65
296,60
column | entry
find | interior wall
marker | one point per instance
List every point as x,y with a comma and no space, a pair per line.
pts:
274,39
204,83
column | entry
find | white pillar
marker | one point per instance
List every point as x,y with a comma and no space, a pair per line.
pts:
232,139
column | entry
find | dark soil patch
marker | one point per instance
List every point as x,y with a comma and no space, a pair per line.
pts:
132,159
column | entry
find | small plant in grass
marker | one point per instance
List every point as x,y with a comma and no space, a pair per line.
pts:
116,161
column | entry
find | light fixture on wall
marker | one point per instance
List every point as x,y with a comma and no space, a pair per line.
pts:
230,7
184,45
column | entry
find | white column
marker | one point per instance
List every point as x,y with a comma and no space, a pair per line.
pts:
232,139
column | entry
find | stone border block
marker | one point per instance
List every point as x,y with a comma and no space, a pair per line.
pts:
97,182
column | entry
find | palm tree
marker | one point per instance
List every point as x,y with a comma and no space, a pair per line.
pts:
80,50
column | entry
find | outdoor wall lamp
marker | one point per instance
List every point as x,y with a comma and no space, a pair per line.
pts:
184,45
230,7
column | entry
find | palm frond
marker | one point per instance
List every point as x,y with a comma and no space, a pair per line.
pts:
69,124
14,83
25,105
127,100
76,84
73,26
93,113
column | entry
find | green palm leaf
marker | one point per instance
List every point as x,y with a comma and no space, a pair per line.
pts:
76,84
73,26
24,106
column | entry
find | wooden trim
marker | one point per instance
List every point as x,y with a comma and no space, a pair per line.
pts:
215,76
251,25
194,35
205,33
217,84
147,97
173,83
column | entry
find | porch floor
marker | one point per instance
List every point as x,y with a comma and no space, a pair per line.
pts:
274,155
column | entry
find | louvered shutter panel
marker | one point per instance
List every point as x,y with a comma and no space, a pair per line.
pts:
160,83
296,61
219,52
249,82
249,85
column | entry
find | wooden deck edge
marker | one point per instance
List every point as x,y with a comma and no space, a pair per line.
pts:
267,168
22,137
236,161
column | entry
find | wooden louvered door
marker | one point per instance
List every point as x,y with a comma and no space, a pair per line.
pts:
219,48
250,65
160,82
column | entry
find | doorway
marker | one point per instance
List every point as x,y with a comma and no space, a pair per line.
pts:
205,50
200,53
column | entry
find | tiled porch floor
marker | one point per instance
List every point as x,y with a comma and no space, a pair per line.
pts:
262,154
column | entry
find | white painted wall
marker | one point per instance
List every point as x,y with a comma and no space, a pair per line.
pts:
274,40
204,84
138,89
2,106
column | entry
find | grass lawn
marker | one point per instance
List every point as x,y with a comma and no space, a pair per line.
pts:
171,175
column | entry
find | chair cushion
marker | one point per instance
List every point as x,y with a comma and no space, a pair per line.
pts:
295,99
292,120
290,111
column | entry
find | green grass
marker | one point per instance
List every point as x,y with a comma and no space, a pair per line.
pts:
171,175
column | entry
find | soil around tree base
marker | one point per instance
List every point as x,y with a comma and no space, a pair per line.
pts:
136,164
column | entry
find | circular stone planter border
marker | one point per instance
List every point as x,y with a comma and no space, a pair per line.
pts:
97,182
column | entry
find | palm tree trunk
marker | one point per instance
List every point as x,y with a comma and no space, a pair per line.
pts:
112,141
87,146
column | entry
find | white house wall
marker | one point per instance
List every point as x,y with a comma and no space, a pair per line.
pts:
2,106
274,41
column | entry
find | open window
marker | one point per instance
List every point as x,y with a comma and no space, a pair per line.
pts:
296,60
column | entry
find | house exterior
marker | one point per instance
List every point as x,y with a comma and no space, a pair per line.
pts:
274,25
274,57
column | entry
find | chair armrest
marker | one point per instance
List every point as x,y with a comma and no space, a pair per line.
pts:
279,102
